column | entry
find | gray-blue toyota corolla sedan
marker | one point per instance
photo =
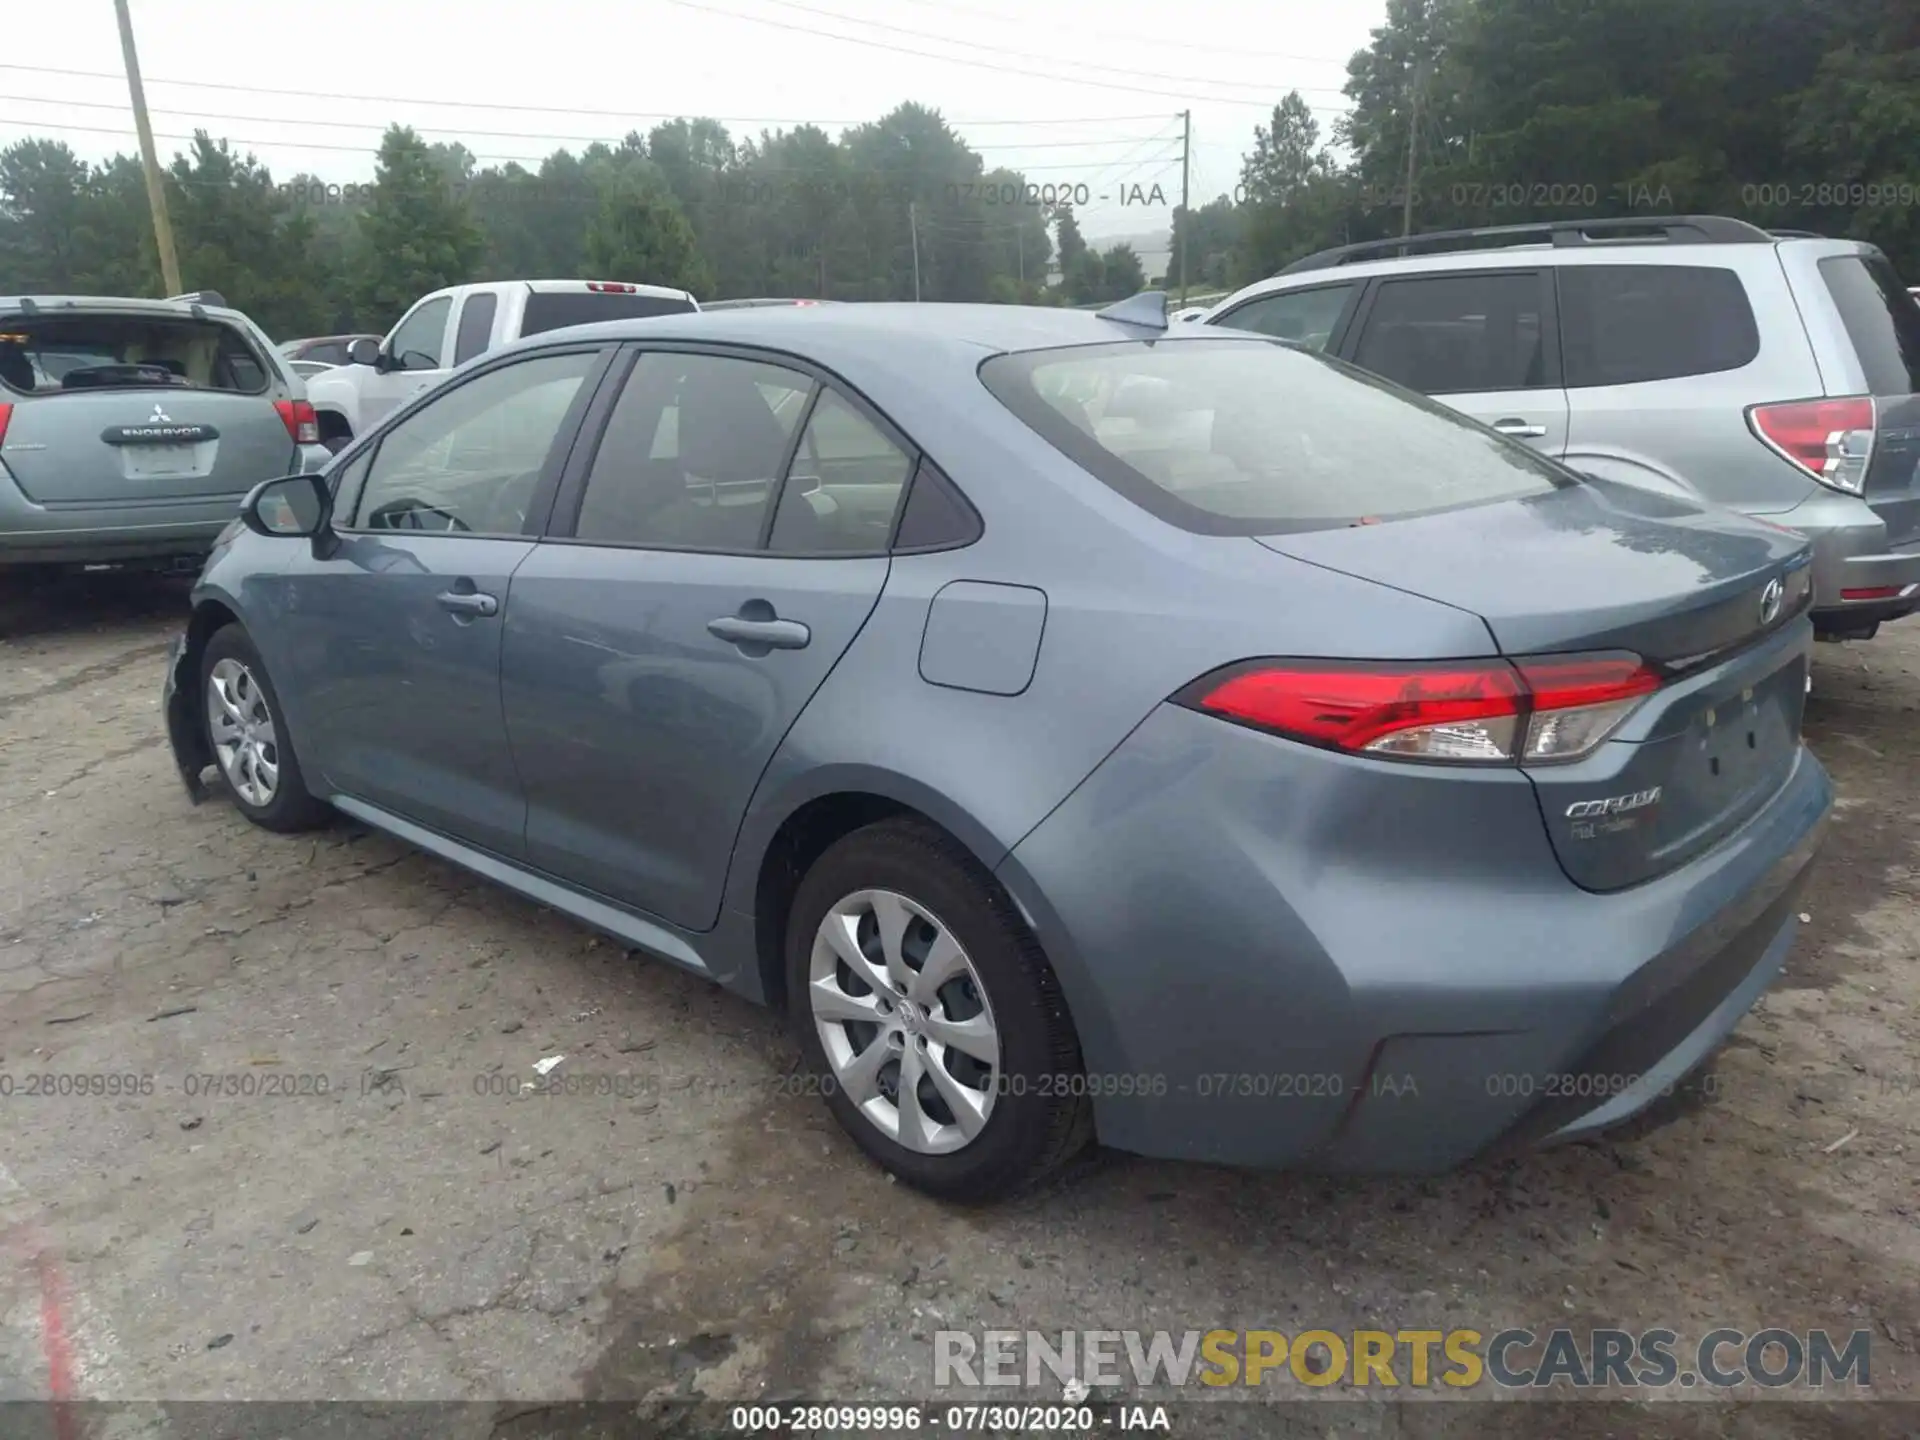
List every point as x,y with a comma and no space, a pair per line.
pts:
1082,728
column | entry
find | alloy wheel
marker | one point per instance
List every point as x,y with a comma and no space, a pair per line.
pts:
241,726
904,1020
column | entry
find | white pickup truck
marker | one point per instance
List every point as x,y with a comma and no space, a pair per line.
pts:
449,327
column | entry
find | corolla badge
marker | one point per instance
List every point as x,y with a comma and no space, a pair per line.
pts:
1771,599
1613,804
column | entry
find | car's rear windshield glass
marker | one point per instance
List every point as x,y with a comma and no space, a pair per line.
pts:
60,354
1243,437
555,309
1882,320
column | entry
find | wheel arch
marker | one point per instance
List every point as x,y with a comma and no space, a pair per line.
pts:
781,840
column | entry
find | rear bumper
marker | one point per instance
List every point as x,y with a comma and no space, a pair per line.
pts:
1277,956
77,534
1858,576
33,534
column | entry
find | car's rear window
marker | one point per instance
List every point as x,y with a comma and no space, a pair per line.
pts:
1252,438
555,309
58,354
1881,318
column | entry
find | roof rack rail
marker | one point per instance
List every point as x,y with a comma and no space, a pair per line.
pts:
200,297
1796,235
1673,229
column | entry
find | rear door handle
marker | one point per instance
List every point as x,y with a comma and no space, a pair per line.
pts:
774,634
1520,429
468,603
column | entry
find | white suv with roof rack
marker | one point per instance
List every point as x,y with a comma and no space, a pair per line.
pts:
1772,372
449,327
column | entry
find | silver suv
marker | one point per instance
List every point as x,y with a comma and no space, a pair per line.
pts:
1771,372
130,429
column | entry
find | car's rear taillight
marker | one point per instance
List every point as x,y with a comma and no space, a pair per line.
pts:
1832,440
302,424
612,287
1489,712
6,418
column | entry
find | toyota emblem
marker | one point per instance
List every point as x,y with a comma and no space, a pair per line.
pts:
1770,599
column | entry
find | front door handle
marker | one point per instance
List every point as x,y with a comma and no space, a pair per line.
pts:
1520,429
770,634
468,603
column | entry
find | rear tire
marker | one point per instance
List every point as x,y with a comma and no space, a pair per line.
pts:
246,734
907,961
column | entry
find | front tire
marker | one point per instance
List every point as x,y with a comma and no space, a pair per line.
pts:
246,734
931,1016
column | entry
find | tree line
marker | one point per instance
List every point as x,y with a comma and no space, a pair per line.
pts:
1791,114
1800,114
898,203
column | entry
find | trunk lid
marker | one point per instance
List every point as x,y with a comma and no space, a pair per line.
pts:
117,405
1882,321
129,444
1597,567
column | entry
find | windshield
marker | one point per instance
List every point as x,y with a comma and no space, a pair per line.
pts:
1249,438
64,353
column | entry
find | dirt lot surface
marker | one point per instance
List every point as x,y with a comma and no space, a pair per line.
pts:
326,1181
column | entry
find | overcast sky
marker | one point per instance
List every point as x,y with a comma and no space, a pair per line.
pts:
1074,92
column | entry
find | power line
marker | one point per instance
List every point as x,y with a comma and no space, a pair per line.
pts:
1017,54
1002,18
547,109
372,149
489,134
1002,68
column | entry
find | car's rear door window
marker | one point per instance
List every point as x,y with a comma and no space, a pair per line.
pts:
693,453
1626,324
1459,334
476,326
843,487
1881,318
1242,437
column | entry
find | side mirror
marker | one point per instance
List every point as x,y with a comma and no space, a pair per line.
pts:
290,507
364,351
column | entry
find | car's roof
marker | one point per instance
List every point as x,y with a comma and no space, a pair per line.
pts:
69,304
896,330
1506,257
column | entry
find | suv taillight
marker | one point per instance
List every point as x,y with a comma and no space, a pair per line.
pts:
6,417
1832,440
1486,712
611,287
302,424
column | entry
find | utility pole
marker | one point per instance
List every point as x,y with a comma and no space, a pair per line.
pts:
1186,215
913,227
1413,150
149,160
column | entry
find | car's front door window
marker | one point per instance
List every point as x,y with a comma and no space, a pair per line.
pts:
1306,317
420,338
470,460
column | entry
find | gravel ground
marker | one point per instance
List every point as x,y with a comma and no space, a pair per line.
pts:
327,1183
